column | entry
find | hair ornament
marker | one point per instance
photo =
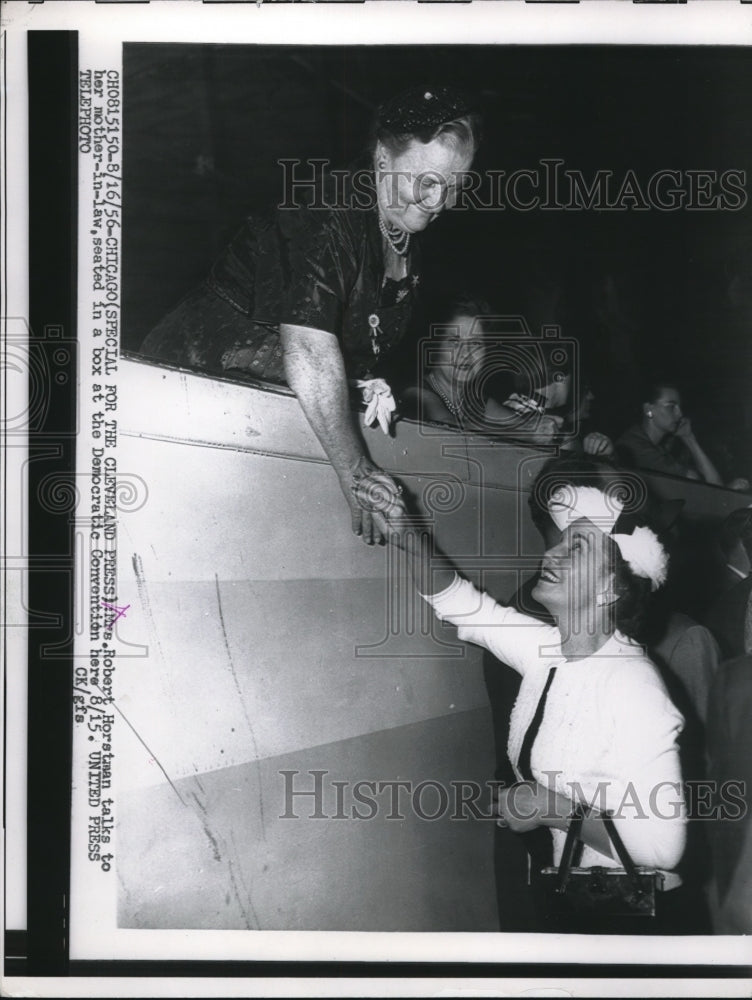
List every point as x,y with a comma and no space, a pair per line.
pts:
423,108
644,554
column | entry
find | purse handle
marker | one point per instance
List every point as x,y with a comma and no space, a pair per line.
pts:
574,836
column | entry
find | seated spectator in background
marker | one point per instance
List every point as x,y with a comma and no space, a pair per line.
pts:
687,657
686,651
735,548
450,364
664,441
578,434
722,556
730,766
535,405
690,655
547,388
727,619
463,382
532,398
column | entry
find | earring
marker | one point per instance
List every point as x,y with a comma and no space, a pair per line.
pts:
382,164
650,413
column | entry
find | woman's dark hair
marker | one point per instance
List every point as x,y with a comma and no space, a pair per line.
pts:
631,610
652,388
447,306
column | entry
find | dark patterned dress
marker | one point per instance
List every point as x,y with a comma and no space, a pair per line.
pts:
320,265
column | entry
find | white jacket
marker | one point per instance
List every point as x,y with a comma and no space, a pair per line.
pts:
609,725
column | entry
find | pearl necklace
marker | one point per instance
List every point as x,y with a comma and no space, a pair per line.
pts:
453,408
397,239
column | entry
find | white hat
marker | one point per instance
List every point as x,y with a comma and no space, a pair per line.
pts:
569,503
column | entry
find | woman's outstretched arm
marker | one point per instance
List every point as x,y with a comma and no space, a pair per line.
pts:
514,638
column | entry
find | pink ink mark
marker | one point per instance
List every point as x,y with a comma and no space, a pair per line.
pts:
115,607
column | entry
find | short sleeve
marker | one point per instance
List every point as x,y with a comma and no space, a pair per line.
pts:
321,267
513,638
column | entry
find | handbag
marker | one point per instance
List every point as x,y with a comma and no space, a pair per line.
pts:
629,891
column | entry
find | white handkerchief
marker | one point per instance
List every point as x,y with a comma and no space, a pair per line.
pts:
380,404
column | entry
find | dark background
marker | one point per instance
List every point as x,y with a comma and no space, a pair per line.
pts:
649,291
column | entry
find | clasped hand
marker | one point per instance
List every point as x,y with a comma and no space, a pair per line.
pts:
373,497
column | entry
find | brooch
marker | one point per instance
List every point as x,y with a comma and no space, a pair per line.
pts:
373,322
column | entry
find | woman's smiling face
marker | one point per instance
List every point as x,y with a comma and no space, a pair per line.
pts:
463,349
574,572
416,185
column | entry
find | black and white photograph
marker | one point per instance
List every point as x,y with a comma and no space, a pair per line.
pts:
321,752
412,510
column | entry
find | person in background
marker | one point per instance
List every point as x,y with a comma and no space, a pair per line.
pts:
535,402
578,434
559,397
450,364
730,766
727,619
688,657
317,294
664,441
724,557
456,385
735,548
